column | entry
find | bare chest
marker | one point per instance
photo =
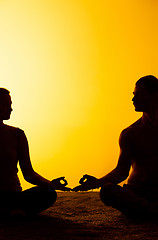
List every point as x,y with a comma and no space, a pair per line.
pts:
145,145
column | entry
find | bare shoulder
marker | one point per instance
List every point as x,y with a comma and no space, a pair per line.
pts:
132,128
14,130
129,133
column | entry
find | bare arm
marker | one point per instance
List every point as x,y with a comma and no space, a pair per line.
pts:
25,164
121,172
118,174
27,170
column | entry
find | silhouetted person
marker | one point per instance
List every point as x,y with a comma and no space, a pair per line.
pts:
14,149
138,152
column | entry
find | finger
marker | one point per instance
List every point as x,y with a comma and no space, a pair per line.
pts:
84,187
65,182
86,175
83,180
60,179
67,189
80,188
63,179
77,188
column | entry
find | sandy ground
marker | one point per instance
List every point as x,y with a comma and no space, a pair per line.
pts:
78,216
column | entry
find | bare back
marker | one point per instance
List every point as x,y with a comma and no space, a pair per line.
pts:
9,158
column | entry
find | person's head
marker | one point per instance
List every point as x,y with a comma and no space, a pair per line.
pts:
146,94
5,104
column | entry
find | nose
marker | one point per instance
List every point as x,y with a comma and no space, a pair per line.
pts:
10,110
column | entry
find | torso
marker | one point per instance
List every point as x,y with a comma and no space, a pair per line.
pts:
144,140
9,158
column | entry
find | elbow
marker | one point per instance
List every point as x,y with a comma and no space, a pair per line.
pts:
124,177
122,173
28,176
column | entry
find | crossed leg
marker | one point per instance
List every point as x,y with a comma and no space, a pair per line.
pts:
30,201
128,202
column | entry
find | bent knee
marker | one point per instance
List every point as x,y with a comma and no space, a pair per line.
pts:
50,195
45,194
107,192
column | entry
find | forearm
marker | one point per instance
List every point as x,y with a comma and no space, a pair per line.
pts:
115,176
36,179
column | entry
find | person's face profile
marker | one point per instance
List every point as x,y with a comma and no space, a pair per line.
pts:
142,99
5,106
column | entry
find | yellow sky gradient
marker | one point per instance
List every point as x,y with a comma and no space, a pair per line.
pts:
71,67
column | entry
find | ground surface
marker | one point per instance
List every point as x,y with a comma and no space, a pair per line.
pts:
78,216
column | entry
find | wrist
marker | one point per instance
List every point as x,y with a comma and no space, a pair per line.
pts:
100,182
97,183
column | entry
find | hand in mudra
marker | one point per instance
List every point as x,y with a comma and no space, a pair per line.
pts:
87,182
60,184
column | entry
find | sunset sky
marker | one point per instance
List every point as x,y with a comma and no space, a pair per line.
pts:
71,67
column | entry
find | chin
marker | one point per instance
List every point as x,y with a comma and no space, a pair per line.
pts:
6,117
138,109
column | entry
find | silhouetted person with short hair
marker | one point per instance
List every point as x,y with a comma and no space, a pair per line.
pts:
13,149
138,152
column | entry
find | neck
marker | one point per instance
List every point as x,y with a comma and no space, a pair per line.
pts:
151,117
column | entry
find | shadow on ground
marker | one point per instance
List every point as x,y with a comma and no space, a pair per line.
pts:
43,227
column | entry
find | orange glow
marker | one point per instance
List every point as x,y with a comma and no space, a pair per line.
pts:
71,67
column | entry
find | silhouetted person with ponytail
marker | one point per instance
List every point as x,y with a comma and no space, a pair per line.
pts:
13,149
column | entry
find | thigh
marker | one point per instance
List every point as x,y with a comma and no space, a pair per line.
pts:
8,202
36,199
123,199
113,193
